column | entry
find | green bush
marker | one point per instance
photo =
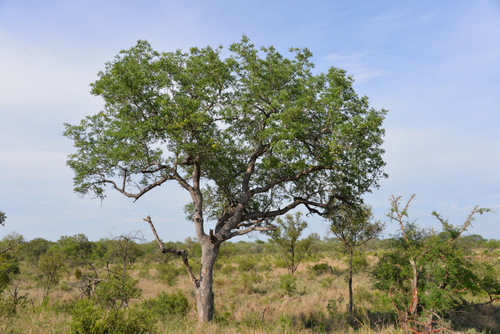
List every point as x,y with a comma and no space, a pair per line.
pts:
246,263
89,318
168,273
288,283
227,269
359,263
167,304
321,268
117,291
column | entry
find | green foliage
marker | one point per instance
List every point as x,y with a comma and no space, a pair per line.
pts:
76,249
286,236
288,284
50,267
167,112
251,136
117,291
359,262
9,266
247,282
91,319
123,250
353,225
246,263
33,249
321,268
3,217
9,259
78,273
168,273
445,271
174,304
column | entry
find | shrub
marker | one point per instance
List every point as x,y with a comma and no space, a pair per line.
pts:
247,281
321,268
288,283
359,263
78,273
247,263
167,304
168,274
117,291
89,318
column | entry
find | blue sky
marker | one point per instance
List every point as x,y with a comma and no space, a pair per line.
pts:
434,65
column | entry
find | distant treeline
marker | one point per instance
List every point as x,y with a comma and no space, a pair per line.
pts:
78,247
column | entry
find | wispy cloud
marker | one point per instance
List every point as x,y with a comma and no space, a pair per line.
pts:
356,64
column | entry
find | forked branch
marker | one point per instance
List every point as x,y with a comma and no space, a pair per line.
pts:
181,253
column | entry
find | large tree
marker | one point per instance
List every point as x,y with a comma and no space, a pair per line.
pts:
249,137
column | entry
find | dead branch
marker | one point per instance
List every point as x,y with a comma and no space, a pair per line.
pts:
400,214
181,253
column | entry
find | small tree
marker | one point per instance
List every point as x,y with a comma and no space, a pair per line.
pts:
33,249
428,273
50,265
9,262
249,137
354,227
287,235
77,249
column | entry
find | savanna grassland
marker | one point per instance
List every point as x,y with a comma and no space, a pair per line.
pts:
123,285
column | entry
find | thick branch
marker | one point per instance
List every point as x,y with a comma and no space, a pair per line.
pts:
271,214
181,253
251,167
251,229
288,178
141,192
173,176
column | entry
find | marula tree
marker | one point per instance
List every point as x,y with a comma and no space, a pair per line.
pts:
249,137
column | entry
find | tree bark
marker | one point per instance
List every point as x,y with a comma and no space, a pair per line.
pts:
204,292
414,291
350,282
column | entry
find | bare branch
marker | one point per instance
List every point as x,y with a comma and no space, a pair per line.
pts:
400,214
181,253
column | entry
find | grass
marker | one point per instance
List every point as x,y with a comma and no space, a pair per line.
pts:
248,299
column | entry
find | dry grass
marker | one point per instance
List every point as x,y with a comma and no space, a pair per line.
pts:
248,301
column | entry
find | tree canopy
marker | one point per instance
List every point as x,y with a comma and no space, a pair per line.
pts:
254,135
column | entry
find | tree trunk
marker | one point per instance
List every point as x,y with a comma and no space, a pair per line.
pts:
204,293
414,291
350,282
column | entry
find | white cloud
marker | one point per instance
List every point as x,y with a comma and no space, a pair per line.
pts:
356,64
